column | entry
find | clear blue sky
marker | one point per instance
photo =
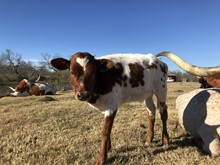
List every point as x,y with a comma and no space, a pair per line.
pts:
190,28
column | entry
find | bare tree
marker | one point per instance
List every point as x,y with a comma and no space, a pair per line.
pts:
14,68
45,62
1,62
57,77
13,60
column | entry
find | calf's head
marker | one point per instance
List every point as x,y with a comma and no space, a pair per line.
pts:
83,68
22,86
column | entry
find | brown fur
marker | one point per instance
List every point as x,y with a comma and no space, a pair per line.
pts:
34,90
214,81
22,86
210,82
137,75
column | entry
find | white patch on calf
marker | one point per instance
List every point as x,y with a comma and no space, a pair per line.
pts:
82,62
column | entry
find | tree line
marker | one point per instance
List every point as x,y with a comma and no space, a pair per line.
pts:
13,68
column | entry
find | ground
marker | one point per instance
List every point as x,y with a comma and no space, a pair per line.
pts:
62,130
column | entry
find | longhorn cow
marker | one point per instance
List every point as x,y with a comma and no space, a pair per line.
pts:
28,88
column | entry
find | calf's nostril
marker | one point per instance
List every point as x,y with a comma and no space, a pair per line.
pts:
83,96
79,96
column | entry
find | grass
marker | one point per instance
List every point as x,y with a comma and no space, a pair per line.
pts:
61,130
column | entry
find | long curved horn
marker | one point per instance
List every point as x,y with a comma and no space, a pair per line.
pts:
37,79
195,70
12,89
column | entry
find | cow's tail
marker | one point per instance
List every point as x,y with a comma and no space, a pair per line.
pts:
195,70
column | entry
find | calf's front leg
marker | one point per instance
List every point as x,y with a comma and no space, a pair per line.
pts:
106,141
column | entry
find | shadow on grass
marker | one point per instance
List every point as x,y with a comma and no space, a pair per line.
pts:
182,141
46,99
124,155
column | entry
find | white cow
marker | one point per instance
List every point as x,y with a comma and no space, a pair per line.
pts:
199,115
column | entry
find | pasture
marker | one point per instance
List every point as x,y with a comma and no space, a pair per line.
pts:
61,130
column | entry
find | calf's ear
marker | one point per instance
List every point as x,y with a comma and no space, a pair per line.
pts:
104,65
60,63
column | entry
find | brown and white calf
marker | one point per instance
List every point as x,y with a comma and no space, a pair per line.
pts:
28,88
109,81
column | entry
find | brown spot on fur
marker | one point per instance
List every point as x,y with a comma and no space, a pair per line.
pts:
34,90
124,78
137,75
152,66
163,80
164,68
105,81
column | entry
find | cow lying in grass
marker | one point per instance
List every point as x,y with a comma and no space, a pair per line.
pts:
28,88
109,81
199,115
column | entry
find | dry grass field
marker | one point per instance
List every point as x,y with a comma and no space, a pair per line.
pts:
62,130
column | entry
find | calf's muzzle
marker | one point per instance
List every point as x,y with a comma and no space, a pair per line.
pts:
83,95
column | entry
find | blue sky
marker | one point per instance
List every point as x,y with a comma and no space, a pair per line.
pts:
189,28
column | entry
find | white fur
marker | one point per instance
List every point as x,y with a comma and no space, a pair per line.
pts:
82,62
199,115
46,87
